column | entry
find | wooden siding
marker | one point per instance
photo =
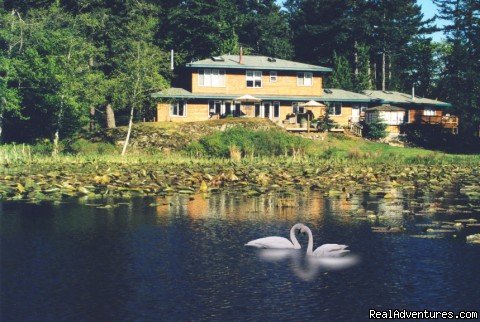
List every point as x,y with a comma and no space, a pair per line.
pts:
196,111
343,119
236,83
416,114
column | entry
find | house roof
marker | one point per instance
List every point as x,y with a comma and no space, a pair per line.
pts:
329,95
255,62
391,97
385,108
340,95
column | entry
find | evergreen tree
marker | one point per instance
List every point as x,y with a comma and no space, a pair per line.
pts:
460,84
342,73
363,77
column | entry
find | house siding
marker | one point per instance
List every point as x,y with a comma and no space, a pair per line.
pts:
236,84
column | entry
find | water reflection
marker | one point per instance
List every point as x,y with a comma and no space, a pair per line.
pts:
306,268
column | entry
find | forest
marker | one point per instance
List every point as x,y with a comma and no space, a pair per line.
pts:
63,60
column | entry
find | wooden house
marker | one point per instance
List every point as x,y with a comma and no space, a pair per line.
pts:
217,87
418,111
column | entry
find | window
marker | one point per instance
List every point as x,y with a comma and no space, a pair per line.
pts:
335,109
178,108
428,112
276,110
273,77
304,79
211,77
214,107
297,109
254,78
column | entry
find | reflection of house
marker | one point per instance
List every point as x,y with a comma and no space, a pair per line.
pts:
418,111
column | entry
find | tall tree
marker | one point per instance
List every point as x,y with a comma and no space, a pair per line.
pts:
342,73
461,82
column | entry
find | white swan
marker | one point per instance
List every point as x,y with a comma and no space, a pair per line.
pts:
326,250
278,242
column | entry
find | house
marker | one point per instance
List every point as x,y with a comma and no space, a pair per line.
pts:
279,89
393,116
418,111
255,86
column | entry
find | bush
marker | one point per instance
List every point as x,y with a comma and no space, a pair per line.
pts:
85,147
325,123
249,143
375,130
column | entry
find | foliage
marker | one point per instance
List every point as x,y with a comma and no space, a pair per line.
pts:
250,143
325,123
342,73
375,130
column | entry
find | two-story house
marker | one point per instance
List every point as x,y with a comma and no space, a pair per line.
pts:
276,89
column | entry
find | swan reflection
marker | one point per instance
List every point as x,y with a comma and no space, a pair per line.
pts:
307,268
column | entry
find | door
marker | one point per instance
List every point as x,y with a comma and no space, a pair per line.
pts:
228,109
266,110
356,114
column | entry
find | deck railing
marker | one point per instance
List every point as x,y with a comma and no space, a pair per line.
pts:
450,121
356,128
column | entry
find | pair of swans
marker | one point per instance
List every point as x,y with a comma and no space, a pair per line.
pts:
275,242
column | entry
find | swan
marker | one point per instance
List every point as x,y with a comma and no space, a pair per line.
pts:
326,250
278,242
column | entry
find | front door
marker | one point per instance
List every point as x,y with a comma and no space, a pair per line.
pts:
356,114
266,110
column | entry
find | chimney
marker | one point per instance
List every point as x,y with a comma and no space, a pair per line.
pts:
240,59
413,92
171,59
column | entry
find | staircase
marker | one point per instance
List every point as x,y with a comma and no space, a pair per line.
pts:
356,128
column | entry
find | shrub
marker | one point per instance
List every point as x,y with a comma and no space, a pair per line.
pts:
375,130
238,141
85,147
325,123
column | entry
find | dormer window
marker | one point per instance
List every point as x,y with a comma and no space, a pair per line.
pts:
254,78
304,79
211,77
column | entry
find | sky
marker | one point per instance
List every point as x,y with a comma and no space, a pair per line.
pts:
429,9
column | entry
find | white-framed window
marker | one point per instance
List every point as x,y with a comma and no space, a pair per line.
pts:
304,79
254,78
273,77
214,107
276,110
296,109
429,112
211,77
335,108
178,108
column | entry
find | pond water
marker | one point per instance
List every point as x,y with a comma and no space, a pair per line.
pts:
175,258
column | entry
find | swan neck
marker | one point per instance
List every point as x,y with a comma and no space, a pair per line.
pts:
310,241
293,238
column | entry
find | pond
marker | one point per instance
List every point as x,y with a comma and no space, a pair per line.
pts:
183,257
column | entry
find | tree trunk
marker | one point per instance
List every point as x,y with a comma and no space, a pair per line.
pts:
110,114
55,143
130,122
355,57
1,126
383,69
92,118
